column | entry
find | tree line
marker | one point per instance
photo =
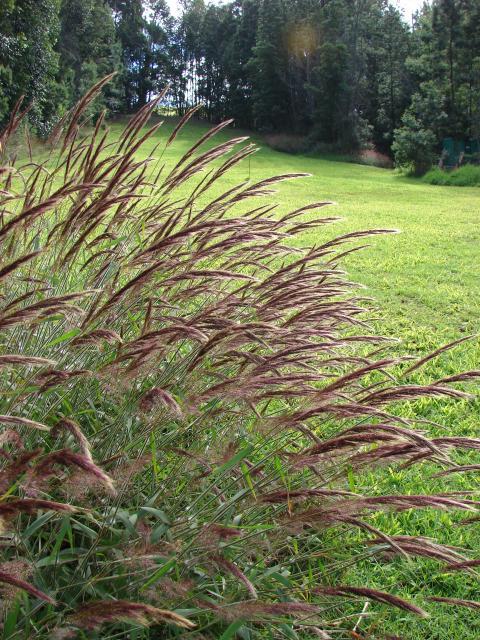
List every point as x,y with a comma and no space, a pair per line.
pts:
339,73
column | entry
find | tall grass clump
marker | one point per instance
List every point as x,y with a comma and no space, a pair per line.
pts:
184,397
466,176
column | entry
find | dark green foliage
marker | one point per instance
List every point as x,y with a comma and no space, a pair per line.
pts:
131,33
341,73
445,66
238,51
392,86
28,62
416,140
217,31
89,50
414,145
268,69
329,77
159,29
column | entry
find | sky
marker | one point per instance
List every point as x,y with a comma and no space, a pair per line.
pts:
408,6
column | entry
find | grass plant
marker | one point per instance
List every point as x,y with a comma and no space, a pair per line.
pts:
466,176
195,406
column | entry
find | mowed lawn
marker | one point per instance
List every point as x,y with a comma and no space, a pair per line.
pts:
426,285
425,282
425,277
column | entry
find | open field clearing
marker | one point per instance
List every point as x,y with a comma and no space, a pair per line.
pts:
425,279
425,283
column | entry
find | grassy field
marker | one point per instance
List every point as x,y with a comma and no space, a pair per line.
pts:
425,281
426,289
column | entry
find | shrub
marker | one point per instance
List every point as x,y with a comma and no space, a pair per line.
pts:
183,399
375,159
367,157
287,143
413,146
466,176
416,141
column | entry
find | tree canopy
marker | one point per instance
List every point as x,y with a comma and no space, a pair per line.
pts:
341,73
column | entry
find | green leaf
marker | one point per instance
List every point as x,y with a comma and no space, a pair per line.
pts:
156,470
37,524
11,619
64,530
65,556
231,630
288,631
128,520
282,579
248,479
158,533
238,457
351,478
161,515
244,633
87,531
165,568
63,338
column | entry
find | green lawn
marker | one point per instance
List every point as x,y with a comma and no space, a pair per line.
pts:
426,284
425,279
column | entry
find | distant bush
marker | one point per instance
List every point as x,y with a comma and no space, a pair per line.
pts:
374,158
185,398
415,143
287,143
292,144
368,157
466,176
413,146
